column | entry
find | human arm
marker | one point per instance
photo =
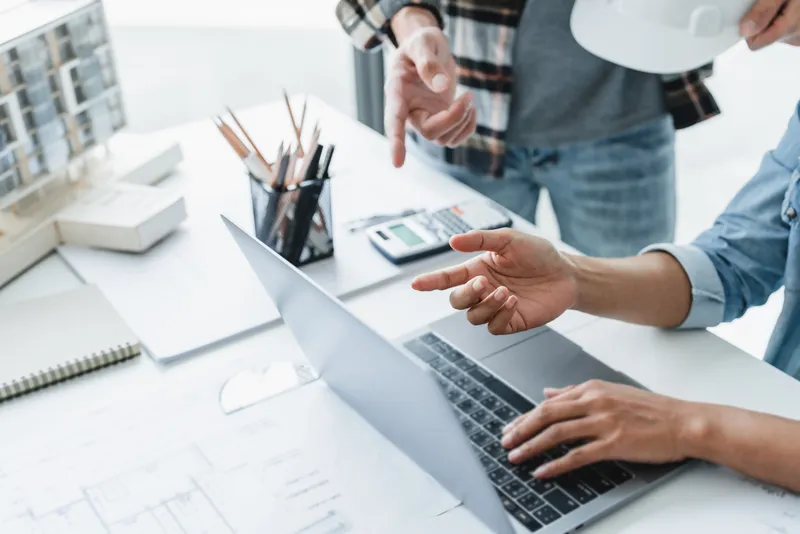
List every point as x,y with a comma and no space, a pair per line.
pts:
421,81
539,283
770,21
736,264
615,422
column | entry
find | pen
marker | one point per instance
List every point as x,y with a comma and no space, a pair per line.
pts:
282,170
326,164
311,150
313,166
366,222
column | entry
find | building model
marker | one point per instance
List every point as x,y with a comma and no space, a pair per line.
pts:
59,94
60,105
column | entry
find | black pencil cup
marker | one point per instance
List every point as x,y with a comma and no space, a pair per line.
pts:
295,222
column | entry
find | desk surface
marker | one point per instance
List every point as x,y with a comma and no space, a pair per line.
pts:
692,365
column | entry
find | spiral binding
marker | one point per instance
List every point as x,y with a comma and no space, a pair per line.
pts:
68,370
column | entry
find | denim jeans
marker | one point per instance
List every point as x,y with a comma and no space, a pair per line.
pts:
612,196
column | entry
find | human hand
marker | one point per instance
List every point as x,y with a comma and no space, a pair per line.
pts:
609,421
520,282
769,21
421,89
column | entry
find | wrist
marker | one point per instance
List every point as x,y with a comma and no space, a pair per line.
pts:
409,20
579,269
695,429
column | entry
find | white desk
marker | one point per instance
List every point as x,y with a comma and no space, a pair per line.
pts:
692,365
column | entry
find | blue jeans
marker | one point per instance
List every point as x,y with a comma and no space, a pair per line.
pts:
612,197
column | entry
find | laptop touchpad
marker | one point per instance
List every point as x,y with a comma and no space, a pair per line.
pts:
476,340
548,360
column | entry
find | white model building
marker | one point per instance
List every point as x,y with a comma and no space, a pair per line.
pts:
59,94
63,178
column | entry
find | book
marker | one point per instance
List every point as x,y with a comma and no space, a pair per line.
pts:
121,217
56,338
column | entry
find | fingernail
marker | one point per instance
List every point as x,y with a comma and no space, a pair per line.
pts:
508,428
540,472
439,82
748,28
501,294
506,440
511,302
514,456
477,285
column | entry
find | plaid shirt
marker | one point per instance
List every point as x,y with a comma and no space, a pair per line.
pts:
482,33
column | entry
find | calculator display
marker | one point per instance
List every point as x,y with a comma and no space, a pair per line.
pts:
406,235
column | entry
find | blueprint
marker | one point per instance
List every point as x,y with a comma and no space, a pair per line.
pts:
271,470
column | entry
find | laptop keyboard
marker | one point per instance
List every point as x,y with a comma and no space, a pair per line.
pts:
485,405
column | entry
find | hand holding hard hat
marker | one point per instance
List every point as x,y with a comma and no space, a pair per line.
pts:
770,21
672,36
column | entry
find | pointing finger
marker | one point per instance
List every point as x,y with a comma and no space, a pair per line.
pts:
444,279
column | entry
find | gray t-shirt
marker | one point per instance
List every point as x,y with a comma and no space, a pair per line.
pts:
564,94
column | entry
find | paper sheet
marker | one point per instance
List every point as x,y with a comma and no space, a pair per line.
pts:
195,288
300,464
743,506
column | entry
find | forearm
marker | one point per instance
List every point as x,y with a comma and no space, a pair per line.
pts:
651,289
410,19
759,445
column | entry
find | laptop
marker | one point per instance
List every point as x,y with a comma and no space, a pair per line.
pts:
443,394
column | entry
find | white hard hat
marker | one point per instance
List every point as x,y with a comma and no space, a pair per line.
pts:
658,36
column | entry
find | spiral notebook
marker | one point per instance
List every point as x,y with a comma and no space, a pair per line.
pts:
49,340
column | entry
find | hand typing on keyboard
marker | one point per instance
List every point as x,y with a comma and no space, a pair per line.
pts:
520,282
610,421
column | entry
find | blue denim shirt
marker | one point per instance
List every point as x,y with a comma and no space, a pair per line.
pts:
752,250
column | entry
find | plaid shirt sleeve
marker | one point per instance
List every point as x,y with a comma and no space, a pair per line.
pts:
367,21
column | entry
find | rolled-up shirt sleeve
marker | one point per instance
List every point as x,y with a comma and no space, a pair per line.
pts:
741,260
708,295
367,21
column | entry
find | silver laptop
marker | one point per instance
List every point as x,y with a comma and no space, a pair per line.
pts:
443,394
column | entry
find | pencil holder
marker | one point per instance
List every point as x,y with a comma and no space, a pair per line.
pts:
295,222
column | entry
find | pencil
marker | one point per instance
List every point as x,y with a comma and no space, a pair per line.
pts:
294,124
232,139
249,139
303,115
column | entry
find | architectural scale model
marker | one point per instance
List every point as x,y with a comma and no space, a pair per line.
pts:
60,105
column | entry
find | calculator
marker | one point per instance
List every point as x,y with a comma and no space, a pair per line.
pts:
428,233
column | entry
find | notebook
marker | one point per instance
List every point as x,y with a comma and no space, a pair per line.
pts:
52,339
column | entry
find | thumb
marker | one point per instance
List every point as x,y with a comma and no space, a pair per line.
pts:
759,17
431,68
482,240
